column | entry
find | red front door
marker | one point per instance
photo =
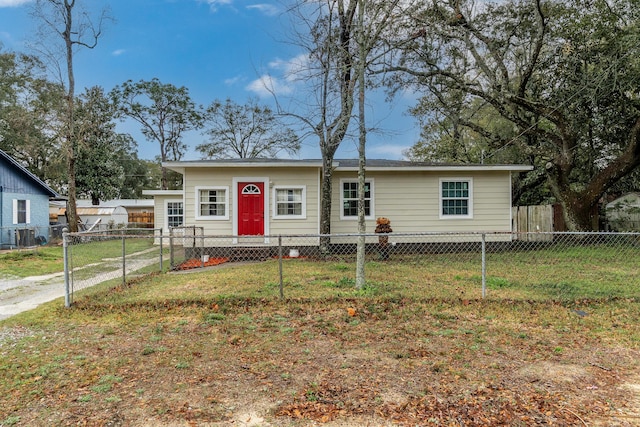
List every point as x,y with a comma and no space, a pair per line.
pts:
250,208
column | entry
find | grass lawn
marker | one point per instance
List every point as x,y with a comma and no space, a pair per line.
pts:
31,262
417,346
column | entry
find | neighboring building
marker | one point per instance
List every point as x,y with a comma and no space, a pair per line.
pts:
24,205
262,197
97,217
623,213
130,205
139,211
110,213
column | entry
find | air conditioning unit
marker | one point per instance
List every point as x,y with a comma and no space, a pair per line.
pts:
25,237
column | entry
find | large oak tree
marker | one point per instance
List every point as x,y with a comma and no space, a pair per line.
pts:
563,74
164,111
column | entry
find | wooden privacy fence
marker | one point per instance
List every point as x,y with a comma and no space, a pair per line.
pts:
141,219
528,220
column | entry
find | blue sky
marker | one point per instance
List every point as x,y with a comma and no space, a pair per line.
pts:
218,49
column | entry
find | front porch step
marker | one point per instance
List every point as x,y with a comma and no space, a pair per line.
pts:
250,253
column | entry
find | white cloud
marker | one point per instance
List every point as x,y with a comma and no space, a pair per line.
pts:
288,72
292,68
215,4
267,85
13,3
118,52
232,81
266,9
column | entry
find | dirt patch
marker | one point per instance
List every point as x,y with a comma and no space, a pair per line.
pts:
550,372
631,412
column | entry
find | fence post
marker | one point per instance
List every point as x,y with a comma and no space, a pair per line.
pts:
170,248
280,265
161,250
484,265
202,250
65,257
124,266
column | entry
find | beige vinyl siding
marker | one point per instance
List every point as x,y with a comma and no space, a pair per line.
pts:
412,202
280,177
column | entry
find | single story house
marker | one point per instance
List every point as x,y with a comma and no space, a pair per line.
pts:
24,205
270,197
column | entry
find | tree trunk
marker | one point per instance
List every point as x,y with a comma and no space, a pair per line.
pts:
362,139
580,208
325,202
70,137
578,213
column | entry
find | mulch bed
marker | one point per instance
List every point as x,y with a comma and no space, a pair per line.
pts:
197,263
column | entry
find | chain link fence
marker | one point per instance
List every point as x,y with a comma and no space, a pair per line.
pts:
562,265
109,258
22,236
559,264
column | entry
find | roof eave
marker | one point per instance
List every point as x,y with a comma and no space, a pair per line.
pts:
163,192
181,166
442,168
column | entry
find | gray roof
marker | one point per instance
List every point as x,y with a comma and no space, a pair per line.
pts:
383,163
127,203
345,164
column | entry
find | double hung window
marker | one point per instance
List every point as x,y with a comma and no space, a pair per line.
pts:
456,198
349,199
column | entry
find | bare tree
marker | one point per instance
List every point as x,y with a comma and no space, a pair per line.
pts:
345,48
362,142
67,22
324,31
245,131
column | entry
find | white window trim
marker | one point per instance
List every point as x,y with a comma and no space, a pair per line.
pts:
303,215
199,217
372,213
15,212
470,199
166,212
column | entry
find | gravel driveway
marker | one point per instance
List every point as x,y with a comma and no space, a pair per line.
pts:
22,294
18,295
